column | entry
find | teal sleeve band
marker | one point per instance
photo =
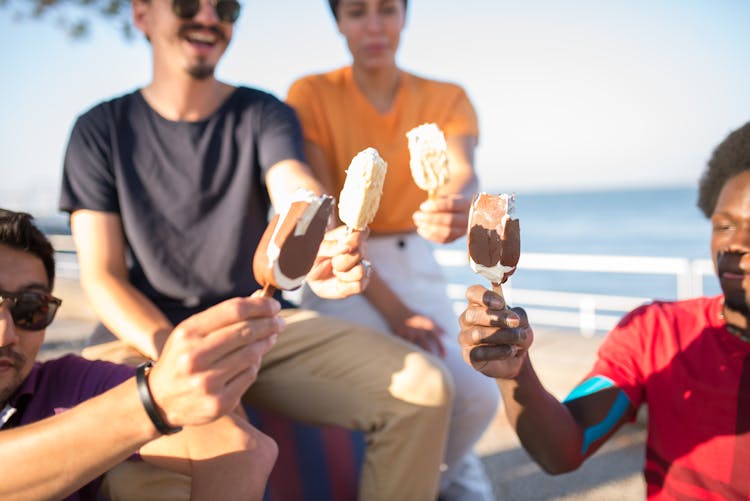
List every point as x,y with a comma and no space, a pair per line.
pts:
613,417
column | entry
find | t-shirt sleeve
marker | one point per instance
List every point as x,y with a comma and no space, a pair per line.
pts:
280,135
462,119
88,180
620,355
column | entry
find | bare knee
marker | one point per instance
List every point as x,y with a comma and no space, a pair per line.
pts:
267,451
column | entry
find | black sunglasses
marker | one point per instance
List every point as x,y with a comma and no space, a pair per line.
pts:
31,310
227,10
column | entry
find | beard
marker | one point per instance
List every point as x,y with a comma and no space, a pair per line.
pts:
201,71
19,361
735,296
738,301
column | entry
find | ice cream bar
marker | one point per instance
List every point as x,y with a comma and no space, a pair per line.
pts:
360,196
288,247
494,237
428,157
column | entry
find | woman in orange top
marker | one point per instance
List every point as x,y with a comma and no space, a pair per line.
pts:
374,103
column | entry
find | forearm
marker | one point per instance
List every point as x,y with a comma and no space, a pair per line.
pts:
385,300
463,183
544,425
463,179
56,456
125,311
286,177
226,459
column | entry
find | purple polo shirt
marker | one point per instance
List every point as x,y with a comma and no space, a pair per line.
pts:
57,385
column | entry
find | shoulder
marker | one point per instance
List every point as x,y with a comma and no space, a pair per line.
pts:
662,325
424,84
257,101
82,376
99,123
251,96
110,108
329,81
696,310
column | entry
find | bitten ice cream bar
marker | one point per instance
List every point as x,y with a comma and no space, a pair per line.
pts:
289,245
428,157
360,196
494,237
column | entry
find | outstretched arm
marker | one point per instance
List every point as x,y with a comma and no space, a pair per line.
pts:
338,270
559,436
207,364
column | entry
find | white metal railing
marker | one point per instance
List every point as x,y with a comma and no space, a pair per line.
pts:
585,311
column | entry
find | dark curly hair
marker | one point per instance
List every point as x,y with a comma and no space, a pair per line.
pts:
730,158
19,232
335,5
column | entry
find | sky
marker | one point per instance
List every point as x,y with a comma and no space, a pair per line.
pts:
581,94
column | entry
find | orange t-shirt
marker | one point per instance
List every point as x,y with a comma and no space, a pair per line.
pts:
338,118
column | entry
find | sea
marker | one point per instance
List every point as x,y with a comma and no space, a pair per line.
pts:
655,222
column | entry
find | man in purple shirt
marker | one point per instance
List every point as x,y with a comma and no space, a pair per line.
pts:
65,422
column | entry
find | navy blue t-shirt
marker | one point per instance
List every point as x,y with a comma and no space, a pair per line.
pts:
190,194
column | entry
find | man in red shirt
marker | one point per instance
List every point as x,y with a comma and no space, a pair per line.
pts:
688,360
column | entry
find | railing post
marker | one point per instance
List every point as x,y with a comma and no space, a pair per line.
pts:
684,281
587,318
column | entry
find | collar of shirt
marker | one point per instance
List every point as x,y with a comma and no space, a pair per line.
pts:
27,388
6,414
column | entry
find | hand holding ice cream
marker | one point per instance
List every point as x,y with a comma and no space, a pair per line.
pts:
493,338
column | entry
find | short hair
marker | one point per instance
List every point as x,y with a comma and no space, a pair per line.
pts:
19,232
730,158
335,5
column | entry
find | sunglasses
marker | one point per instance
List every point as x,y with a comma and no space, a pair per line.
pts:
227,10
31,310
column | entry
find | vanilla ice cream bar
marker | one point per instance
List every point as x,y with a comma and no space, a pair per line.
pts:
494,237
290,243
360,196
428,157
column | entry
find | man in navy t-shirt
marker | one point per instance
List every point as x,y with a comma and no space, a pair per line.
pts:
169,188
65,422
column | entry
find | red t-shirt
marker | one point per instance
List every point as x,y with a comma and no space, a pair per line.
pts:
679,358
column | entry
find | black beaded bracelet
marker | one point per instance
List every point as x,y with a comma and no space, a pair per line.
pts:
148,401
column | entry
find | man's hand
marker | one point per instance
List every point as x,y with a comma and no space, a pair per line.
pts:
444,219
340,269
494,339
211,359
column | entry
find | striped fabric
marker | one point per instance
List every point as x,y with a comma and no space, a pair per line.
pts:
315,463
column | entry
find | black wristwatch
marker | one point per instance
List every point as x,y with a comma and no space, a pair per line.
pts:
148,400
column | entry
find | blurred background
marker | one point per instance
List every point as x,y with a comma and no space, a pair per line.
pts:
599,115
571,95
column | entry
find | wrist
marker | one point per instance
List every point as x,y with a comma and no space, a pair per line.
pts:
147,399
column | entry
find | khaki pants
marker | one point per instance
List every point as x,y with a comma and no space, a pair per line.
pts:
327,371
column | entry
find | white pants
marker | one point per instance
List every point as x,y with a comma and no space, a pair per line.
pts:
407,264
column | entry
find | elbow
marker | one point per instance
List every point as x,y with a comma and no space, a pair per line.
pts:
555,464
557,468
